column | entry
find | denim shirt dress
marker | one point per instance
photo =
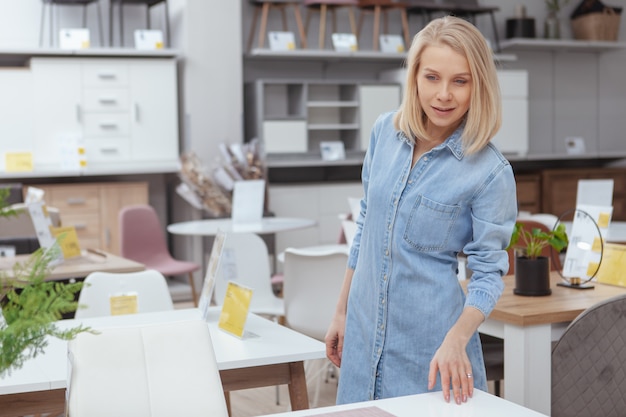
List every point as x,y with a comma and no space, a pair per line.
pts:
405,294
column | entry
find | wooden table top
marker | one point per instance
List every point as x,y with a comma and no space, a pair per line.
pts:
78,267
563,305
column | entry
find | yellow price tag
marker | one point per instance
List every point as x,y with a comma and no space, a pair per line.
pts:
235,309
123,304
592,268
18,161
597,245
68,240
603,220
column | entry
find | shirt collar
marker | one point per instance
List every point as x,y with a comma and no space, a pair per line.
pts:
453,142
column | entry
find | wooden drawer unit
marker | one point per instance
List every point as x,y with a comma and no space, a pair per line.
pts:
528,192
93,209
560,188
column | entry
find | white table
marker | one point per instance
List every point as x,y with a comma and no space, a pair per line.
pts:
210,227
269,354
431,404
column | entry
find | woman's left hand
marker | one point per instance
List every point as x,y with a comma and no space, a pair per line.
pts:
455,369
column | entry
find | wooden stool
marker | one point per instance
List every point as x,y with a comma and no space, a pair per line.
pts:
383,6
322,6
264,6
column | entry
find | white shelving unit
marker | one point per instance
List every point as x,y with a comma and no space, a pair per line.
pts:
294,117
560,45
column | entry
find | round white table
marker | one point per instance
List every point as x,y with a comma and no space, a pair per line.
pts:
210,227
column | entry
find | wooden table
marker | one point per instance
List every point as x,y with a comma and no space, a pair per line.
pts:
528,326
268,354
78,267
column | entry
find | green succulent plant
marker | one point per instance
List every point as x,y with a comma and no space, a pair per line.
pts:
555,5
531,242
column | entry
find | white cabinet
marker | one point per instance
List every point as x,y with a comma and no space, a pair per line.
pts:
375,100
122,110
512,138
155,115
16,98
57,108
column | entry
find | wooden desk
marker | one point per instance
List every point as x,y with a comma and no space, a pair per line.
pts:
528,326
78,267
431,404
269,354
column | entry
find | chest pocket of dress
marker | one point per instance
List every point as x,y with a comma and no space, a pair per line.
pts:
430,224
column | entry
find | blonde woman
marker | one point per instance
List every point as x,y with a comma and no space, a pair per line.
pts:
434,186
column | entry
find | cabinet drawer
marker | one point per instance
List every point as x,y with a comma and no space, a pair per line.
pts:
73,199
87,225
107,125
107,150
105,75
110,99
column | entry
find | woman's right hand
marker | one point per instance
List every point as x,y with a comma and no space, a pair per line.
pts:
334,338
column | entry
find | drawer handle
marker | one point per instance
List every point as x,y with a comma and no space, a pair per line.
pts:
76,201
107,100
106,75
80,226
109,150
108,125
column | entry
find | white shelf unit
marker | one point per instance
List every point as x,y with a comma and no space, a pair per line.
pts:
560,45
295,116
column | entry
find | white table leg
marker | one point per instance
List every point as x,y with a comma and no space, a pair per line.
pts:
527,369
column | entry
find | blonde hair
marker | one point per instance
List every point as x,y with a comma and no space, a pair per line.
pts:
484,117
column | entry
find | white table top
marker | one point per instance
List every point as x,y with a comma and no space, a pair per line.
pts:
319,250
430,404
264,343
210,227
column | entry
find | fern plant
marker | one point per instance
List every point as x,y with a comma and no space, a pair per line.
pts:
31,305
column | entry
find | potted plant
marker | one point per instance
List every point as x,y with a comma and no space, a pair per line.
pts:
552,24
532,270
30,305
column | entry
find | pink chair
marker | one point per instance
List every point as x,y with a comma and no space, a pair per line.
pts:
142,240
329,5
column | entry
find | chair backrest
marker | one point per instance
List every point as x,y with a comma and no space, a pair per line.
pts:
245,260
150,287
311,289
589,363
548,251
160,370
141,234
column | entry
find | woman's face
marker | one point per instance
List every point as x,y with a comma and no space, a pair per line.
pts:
444,85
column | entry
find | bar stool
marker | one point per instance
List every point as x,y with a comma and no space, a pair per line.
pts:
332,5
52,3
461,8
148,3
378,7
265,6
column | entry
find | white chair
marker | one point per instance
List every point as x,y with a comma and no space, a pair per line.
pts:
245,260
313,280
160,370
149,286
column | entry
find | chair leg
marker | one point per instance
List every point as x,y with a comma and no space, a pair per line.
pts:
41,23
322,34
166,13
496,388
376,27
263,28
100,30
283,14
296,12
193,290
405,29
255,17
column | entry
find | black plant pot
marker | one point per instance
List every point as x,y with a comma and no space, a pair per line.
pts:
532,276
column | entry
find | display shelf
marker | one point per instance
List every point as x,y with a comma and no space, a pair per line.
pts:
560,45
330,55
